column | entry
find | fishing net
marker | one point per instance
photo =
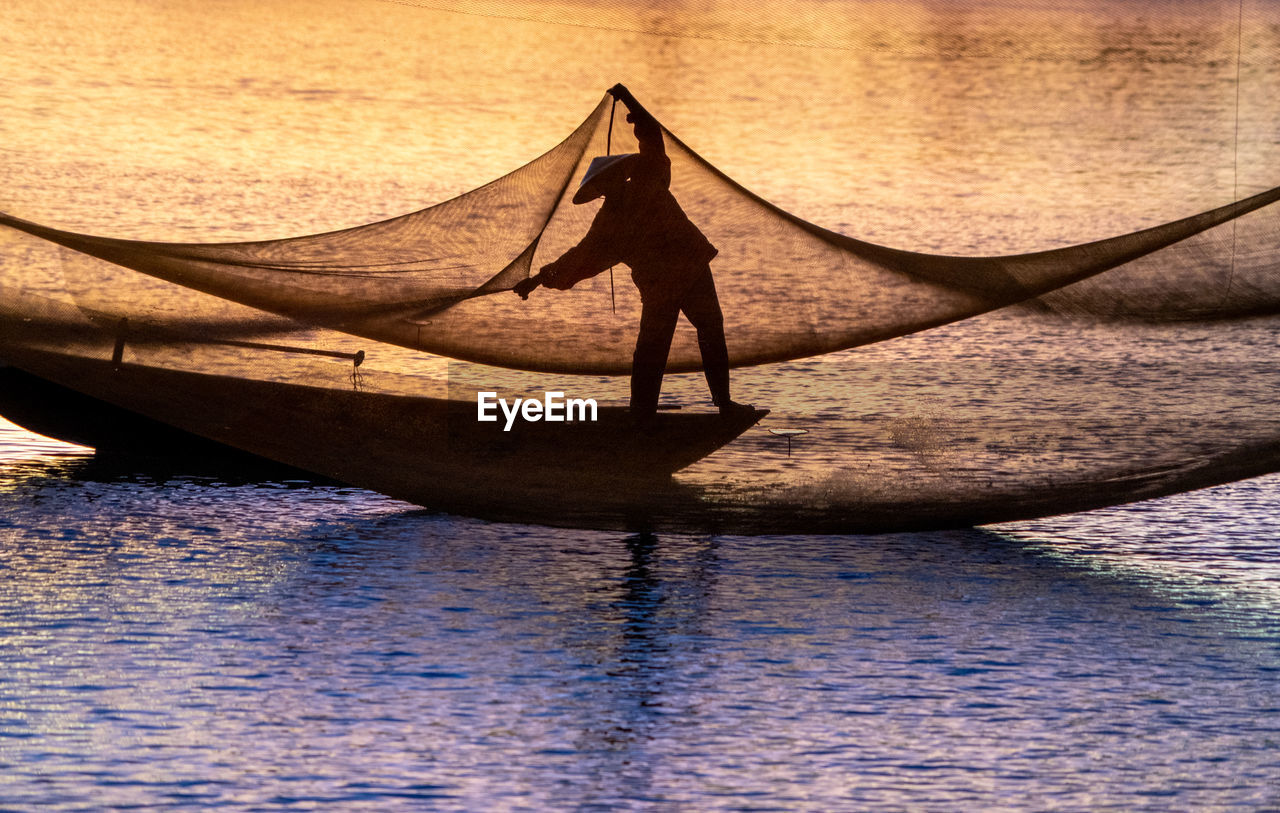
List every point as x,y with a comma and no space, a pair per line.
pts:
1127,403
437,280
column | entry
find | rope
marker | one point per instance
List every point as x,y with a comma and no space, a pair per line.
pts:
608,136
1235,191
117,352
608,150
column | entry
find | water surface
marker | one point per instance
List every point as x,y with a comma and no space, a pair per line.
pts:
175,637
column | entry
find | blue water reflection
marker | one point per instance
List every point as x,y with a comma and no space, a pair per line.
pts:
263,643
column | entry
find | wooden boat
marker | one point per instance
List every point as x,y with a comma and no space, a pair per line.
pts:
429,451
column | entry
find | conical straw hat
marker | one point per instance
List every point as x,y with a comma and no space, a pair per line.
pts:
602,170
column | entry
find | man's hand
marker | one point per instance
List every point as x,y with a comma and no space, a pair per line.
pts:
525,286
636,114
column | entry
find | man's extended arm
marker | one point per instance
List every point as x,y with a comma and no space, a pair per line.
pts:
596,252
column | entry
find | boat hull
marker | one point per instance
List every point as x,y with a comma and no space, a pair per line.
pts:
429,451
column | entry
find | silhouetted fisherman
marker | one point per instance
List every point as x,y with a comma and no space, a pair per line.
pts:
641,224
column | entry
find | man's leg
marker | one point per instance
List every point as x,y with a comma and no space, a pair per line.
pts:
701,307
657,325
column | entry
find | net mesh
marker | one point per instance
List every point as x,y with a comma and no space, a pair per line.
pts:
436,280
1159,378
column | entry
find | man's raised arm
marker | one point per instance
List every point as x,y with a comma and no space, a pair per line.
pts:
648,132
